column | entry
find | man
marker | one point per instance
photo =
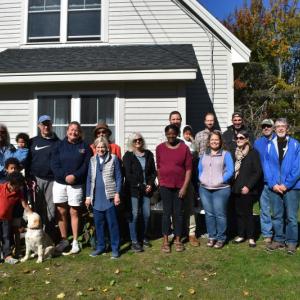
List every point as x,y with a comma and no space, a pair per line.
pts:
174,118
40,148
261,145
202,136
282,174
229,136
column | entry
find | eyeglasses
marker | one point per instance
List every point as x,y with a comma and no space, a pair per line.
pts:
240,138
266,126
140,140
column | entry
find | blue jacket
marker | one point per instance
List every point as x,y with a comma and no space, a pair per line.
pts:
70,159
288,173
5,153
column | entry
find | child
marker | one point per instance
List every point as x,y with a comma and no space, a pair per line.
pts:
13,165
10,195
21,153
189,139
103,193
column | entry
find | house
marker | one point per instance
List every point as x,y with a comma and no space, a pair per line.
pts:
129,62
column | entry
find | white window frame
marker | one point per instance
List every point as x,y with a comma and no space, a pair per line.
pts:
63,39
75,108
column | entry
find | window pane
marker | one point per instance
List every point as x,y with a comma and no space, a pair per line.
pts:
62,110
52,4
81,4
43,25
36,5
76,4
92,3
45,106
106,109
88,110
84,23
60,131
88,133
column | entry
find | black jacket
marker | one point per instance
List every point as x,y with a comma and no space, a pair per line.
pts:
134,177
229,138
250,174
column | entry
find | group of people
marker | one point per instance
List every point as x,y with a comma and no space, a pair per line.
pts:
223,171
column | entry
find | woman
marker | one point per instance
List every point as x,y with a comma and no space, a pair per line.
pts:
69,163
140,175
102,130
215,170
174,169
246,186
103,188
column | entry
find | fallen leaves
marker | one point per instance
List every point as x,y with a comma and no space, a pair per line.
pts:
61,296
169,288
117,271
192,291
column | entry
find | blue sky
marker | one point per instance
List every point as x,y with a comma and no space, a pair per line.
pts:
222,8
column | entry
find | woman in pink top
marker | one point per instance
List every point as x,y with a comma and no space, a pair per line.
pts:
174,168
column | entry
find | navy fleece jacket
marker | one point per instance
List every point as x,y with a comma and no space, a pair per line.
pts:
70,159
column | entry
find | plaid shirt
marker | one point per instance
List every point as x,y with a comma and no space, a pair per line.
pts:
201,140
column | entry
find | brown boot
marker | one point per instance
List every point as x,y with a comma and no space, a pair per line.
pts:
194,241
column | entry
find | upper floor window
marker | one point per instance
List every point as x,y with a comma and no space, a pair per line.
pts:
84,19
64,20
43,20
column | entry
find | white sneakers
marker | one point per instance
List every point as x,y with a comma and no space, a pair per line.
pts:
75,247
63,244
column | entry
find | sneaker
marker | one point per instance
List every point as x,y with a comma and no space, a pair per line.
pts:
210,243
291,249
275,246
10,260
75,247
238,240
96,253
194,241
146,243
136,247
251,243
62,245
219,245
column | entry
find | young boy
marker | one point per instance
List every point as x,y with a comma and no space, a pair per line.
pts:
13,165
21,153
10,195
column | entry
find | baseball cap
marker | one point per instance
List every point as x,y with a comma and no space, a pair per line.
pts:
44,118
267,122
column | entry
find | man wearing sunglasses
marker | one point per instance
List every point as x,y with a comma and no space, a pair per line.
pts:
261,144
229,136
282,174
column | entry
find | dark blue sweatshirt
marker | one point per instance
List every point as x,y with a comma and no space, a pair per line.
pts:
39,156
70,159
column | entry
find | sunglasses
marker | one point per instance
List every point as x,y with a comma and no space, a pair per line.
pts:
140,140
266,126
240,138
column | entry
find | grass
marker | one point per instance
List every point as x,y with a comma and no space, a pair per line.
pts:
235,272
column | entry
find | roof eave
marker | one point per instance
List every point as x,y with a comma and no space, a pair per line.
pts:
129,75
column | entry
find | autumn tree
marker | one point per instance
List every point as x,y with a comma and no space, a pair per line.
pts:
269,84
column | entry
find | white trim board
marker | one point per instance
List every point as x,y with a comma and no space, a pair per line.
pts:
136,75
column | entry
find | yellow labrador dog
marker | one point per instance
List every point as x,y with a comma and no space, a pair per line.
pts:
36,240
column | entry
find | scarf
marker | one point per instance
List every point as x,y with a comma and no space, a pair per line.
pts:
239,155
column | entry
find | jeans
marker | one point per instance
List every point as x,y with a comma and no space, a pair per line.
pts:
5,231
285,211
244,213
265,213
189,211
136,206
110,215
172,206
215,206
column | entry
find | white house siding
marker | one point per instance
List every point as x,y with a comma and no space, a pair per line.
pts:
147,108
163,21
10,23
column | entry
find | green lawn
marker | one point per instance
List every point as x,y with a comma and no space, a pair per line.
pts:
235,272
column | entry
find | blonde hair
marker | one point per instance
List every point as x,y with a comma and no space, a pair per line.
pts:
101,140
132,137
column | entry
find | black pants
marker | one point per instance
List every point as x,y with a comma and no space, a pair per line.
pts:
5,234
172,206
244,214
